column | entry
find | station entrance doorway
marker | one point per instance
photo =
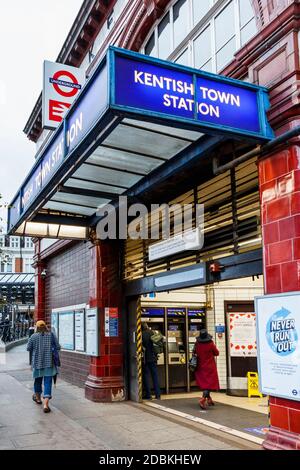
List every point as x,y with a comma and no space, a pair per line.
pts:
179,315
179,326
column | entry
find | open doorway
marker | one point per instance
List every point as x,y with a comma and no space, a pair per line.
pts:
179,315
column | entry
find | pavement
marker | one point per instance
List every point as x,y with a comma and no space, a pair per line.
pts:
77,423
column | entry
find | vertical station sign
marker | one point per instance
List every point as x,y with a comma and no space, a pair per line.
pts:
61,86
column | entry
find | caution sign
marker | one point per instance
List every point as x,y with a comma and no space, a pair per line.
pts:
253,390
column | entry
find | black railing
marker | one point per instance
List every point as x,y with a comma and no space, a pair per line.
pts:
10,333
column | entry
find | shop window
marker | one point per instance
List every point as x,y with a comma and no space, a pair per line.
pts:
225,36
14,242
164,37
183,59
200,8
150,48
28,265
9,267
227,29
29,243
203,50
225,54
246,12
181,21
224,26
247,21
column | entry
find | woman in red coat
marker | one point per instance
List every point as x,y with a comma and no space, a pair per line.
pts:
206,373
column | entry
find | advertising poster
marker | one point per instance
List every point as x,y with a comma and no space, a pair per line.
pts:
91,335
278,333
242,334
79,330
54,323
66,330
111,321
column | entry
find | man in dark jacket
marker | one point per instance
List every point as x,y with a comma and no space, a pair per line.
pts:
150,363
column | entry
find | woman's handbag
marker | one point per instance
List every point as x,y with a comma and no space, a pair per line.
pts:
193,362
55,354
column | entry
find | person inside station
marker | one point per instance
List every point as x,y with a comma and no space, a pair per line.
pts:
206,373
149,363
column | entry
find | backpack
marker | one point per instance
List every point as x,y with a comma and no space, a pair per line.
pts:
158,342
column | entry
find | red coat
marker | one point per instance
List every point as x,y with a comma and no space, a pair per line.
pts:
206,374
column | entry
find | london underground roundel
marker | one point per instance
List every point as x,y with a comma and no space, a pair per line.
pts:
63,87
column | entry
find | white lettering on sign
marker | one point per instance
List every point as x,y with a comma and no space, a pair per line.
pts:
217,95
162,82
52,161
74,130
187,103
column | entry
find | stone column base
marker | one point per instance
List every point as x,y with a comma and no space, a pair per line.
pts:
104,389
279,439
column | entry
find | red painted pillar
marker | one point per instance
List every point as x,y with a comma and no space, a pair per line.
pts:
39,287
279,178
105,382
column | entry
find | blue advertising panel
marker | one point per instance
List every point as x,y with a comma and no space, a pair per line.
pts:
47,166
91,106
210,101
173,311
14,211
152,311
278,344
198,312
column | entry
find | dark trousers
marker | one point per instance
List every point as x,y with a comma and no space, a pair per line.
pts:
150,368
206,393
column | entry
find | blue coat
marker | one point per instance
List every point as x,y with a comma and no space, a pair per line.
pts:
39,344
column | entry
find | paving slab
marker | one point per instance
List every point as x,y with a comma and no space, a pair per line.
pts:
77,423
249,422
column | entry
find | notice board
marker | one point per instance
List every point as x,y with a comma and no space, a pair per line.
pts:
92,331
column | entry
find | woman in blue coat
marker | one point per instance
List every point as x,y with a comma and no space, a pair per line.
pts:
42,345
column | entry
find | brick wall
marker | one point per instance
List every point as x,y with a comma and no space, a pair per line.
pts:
67,283
280,197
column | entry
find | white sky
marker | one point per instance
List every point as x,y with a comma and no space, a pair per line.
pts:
30,32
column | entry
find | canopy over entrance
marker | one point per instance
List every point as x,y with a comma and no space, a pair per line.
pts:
134,115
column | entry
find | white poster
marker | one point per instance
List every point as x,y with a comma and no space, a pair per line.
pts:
189,240
242,334
278,333
79,331
61,86
92,333
66,330
54,323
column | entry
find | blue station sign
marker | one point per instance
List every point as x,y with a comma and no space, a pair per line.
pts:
130,84
215,103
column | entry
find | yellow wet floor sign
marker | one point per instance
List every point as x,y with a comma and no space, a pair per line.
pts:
253,390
